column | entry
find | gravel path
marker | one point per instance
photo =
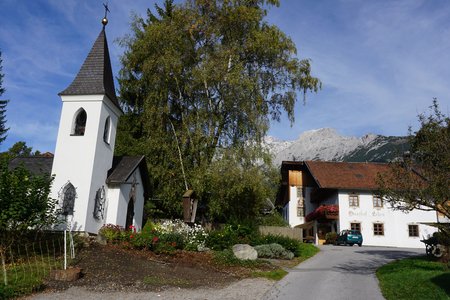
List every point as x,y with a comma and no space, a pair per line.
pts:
249,289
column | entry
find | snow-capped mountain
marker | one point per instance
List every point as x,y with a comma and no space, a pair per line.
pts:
326,144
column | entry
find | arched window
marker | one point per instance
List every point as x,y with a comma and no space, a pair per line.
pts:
106,131
80,123
68,195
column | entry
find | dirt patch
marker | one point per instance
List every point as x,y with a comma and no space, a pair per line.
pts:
111,268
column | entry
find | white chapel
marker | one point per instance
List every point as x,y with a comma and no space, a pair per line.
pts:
92,186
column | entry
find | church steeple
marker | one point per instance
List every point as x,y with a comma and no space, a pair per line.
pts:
95,76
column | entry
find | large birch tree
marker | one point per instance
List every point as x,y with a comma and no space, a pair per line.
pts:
201,81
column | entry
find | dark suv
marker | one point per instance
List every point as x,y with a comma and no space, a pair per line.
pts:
349,237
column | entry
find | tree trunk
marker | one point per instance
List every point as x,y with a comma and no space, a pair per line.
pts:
5,278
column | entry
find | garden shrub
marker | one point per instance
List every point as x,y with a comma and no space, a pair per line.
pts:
230,235
112,233
330,237
274,219
6,292
273,251
287,243
227,258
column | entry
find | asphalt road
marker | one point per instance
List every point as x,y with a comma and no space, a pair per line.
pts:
338,272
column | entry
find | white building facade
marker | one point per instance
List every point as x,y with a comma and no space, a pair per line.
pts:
349,189
92,186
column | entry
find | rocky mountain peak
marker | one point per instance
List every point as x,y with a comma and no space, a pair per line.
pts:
328,145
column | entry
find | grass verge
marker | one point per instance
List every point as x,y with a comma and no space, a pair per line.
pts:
277,274
414,278
27,277
160,281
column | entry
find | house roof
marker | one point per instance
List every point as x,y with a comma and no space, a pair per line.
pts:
95,76
346,175
37,165
124,166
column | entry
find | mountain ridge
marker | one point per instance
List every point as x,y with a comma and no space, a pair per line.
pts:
328,145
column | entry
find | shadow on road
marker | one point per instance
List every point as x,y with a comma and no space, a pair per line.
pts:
390,254
378,258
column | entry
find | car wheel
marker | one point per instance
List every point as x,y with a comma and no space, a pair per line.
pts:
360,244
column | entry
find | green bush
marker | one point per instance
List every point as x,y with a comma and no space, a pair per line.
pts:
330,237
287,243
112,233
227,258
230,235
6,292
274,219
273,251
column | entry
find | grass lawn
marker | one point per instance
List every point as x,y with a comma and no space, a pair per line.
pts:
414,278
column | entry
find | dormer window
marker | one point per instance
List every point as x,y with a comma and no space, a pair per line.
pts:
106,131
80,123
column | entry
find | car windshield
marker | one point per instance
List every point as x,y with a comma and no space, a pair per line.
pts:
356,232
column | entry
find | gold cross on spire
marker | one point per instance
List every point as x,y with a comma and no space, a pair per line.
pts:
105,20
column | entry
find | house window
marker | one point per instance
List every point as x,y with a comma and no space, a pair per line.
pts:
300,210
80,123
377,201
106,131
353,200
300,203
299,192
378,229
413,230
355,226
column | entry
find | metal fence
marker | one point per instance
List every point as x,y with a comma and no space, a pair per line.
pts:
26,264
295,233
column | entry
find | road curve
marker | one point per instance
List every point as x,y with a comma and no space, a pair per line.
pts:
338,272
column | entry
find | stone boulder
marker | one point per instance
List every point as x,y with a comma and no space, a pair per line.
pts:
245,252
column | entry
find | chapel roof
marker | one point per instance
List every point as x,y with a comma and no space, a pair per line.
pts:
95,75
124,166
346,175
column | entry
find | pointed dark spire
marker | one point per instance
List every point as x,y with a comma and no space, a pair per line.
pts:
95,76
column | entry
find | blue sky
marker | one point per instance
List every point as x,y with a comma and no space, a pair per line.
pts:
381,62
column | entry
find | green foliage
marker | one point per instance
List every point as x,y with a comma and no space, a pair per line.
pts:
227,258
24,203
277,274
421,180
200,82
273,251
414,278
287,243
230,235
111,232
330,237
273,219
19,149
6,292
305,250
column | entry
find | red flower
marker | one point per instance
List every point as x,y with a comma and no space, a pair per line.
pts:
131,236
155,239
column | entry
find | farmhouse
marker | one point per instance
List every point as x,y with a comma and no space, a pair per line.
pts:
323,197
92,186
